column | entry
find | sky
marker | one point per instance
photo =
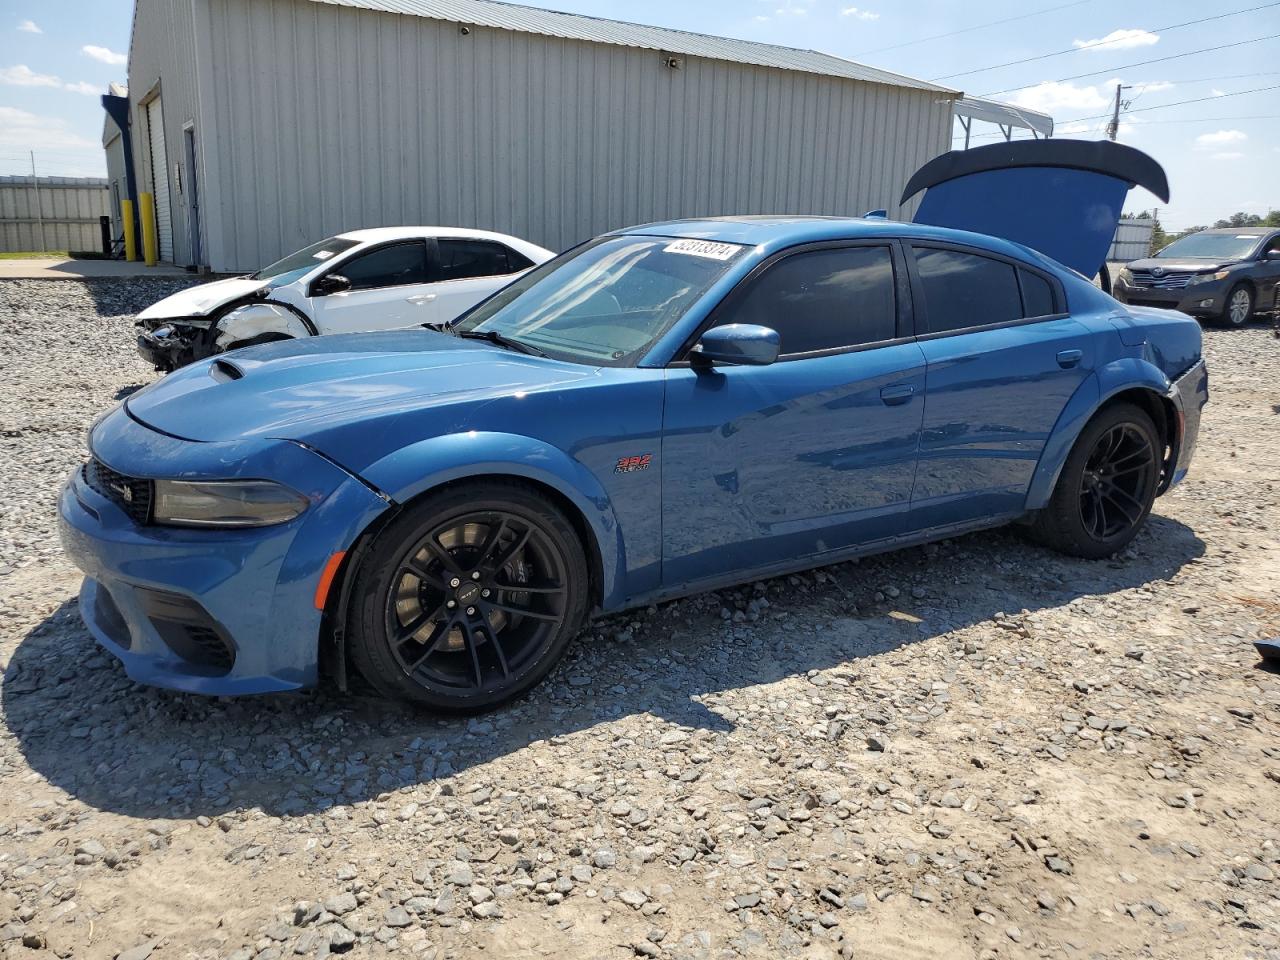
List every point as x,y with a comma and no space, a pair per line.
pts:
1221,153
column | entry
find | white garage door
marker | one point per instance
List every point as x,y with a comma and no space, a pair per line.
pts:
160,178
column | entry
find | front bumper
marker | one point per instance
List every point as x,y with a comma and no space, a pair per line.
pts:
1197,300
1188,394
211,611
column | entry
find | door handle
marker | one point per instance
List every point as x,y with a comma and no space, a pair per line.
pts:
897,393
1069,358
421,298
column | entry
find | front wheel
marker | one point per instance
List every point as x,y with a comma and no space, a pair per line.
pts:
1238,307
1106,487
469,598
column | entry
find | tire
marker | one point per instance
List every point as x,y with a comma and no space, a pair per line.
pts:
1106,487
255,341
1237,308
436,617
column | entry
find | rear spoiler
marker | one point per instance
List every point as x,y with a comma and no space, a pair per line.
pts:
1061,197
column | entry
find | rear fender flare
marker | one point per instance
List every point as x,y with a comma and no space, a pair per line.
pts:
427,464
1105,382
258,318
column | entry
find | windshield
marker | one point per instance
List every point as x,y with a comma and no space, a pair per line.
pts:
296,264
606,302
1212,246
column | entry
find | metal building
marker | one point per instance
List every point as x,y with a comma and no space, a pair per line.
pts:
263,125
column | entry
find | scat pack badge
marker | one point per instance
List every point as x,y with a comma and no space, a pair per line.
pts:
633,464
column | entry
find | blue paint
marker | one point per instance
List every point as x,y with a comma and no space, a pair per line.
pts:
1030,205
755,469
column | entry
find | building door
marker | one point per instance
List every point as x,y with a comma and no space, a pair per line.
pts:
160,179
193,194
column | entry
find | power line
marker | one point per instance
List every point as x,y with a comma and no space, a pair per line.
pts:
1140,63
979,26
1182,103
1102,43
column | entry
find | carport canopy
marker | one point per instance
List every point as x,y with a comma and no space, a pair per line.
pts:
1004,115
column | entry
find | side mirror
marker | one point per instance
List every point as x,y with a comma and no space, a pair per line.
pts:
1271,255
330,284
738,343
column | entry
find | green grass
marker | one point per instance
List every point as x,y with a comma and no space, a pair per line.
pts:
35,255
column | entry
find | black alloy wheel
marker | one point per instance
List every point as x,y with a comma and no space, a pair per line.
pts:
469,600
1107,485
1118,473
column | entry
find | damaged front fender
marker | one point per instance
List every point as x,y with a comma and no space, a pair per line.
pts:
256,320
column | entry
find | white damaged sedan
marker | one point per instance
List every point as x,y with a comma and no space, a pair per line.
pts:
376,279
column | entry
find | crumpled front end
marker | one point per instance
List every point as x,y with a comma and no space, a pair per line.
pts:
170,344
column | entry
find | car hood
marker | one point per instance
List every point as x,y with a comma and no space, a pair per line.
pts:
204,299
1183,265
306,390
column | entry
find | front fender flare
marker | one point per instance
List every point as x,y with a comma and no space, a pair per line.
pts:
422,466
1105,382
258,318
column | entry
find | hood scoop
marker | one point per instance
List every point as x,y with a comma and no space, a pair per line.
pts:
224,370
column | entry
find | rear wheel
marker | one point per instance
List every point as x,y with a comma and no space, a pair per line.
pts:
1238,307
1107,485
469,598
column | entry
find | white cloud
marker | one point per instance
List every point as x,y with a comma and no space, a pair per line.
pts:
23,76
1120,40
859,14
104,55
1230,155
88,89
29,26
1056,95
1221,138
27,131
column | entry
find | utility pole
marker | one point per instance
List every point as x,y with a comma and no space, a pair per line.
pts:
35,189
1113,127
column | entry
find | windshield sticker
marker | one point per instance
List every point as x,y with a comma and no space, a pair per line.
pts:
323,254
704,248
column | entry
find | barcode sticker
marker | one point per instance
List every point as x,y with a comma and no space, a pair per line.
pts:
704,248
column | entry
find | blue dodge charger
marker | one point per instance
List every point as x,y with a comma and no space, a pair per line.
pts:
662,410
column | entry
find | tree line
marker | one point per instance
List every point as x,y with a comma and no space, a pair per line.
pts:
1161,239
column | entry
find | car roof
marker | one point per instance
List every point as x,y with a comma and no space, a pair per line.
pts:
778,232
381,234
1242,231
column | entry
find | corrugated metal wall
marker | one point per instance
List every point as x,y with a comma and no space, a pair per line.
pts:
69,206
332,118
162,61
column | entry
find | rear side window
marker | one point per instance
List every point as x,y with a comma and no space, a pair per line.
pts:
823,300
1037,295
461,259
965,290
390,266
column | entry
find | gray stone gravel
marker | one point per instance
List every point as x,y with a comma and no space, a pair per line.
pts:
977,748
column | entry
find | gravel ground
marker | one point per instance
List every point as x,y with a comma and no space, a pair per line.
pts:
974,749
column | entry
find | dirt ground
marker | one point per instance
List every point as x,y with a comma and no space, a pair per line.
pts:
974,749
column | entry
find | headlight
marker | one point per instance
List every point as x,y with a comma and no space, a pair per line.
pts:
1126,276
225,503
1206,277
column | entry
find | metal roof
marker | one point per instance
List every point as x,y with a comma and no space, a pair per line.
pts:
1005,114
572,26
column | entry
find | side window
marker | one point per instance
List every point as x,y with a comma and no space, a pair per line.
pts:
464,259
823,300
965,290
1037,295
391,266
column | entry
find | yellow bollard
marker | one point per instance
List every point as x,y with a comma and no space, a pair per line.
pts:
130,236
147,214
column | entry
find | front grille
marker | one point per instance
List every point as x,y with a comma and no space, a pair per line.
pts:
1174,280
130,494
